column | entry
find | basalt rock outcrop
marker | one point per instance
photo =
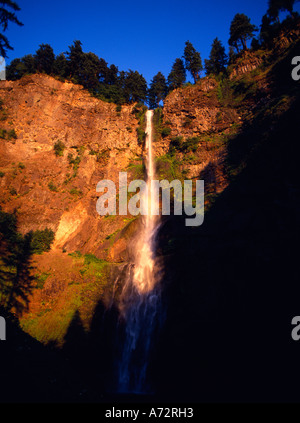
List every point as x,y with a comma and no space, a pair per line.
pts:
58,191
195,111
247,62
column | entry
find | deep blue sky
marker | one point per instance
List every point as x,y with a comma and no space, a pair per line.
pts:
140,35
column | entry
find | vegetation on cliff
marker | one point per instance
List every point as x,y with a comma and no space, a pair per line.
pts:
110,84
103,81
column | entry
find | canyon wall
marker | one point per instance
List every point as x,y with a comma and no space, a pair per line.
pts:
59,191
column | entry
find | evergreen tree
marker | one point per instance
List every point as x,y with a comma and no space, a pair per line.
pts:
14,71
289,5
231,55
157,91
103,71
75,58
60,65
255,44
217,59
276,6
90,71
86,68
20,67
135,87
193,61
268,30
177,76
112,75
7,14
241,30
29,63
45,57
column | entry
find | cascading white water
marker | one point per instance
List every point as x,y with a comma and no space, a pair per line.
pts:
143,275
140,298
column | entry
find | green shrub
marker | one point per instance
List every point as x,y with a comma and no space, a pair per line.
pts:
70,158
12,134
139,111
75,162
168,167
41,279
141,134
52,187
75,191
59,147
157,124
3,133
178,144
165,131
91,258
137,169
158,117
103,156
76,254
2,174
175,144
191,144
21,165
13,191
41,240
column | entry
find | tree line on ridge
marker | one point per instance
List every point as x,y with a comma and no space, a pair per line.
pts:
110,84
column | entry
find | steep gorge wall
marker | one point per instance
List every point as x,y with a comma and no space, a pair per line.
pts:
59,192
195,111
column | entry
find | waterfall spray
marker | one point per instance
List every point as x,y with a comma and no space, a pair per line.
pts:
140,298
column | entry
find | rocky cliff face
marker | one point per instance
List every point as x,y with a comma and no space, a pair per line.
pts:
196,112
286,37
59,191
57,142
247,62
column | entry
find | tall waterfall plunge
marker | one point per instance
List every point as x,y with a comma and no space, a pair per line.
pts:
140,297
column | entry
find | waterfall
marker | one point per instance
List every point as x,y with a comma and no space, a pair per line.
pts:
143,275
140,298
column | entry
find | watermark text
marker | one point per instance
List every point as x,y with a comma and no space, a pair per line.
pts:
150,197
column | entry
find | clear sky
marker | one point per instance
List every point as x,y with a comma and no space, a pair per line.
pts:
146,36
